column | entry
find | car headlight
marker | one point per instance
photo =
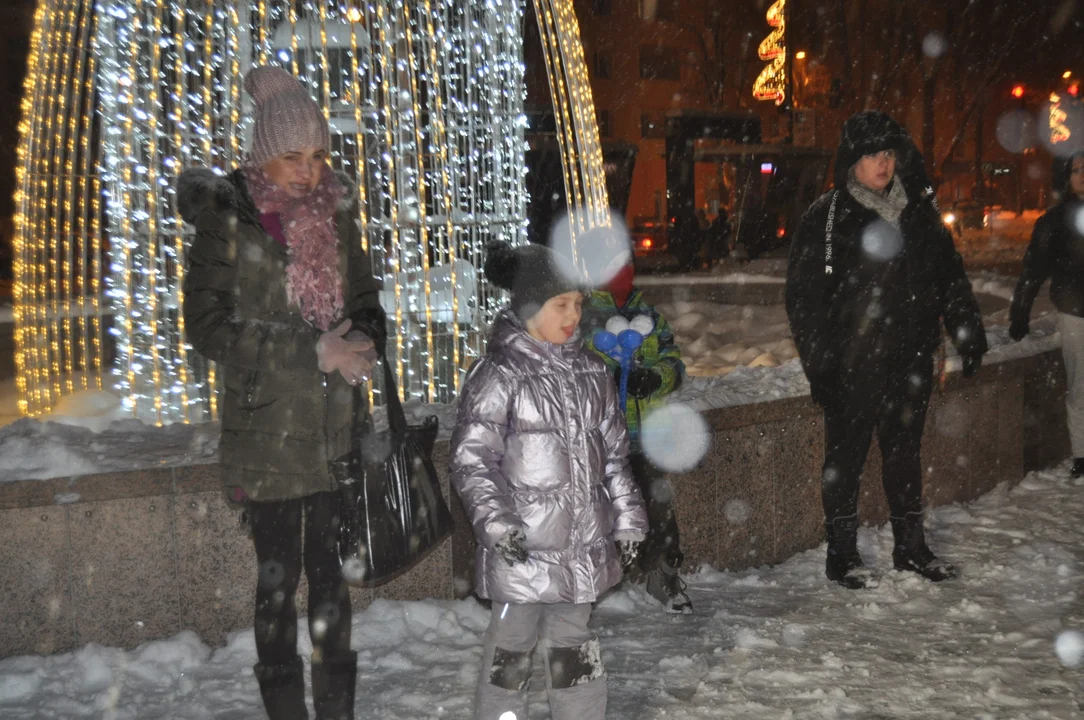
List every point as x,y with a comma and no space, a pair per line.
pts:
948,218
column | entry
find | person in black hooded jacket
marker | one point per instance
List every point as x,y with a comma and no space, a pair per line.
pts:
872,273
1056,251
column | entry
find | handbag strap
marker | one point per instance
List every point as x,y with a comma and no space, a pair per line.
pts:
396,417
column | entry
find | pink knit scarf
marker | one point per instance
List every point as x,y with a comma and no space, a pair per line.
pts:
313,281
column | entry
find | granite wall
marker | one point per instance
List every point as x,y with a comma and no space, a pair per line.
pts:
122,558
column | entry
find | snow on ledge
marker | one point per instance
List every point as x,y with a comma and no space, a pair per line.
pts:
737,278
36,450
88,436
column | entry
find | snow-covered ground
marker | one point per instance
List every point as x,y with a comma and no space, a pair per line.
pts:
716,339
735,355
1004,227
1000,642
1001,244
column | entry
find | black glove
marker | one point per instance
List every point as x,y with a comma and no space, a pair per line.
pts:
629,550
1019,328
972,363
643,382
512,547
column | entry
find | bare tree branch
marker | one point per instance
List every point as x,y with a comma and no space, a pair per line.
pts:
993,73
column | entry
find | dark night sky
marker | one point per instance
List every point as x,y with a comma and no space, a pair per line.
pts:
16,18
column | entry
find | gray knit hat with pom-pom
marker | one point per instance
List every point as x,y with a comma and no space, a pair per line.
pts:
532,273
287,118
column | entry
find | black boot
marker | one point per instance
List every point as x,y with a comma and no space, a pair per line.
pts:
844,564
911,552
665,585
333,684
283,690
1078,468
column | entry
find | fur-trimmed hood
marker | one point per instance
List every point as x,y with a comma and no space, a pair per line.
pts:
200,189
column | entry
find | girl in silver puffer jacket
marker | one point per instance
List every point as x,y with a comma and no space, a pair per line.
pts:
540,461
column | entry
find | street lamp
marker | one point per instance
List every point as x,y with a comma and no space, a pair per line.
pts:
799,76
1067,74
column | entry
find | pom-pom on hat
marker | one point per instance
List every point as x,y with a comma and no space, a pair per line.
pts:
531,273
287,118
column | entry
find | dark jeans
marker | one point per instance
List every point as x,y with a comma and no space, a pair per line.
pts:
277,534
662,542
894,405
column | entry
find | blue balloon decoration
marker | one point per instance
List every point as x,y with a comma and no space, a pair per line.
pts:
621,347
605,341
630,339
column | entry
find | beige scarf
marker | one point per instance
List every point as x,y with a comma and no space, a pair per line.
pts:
889,205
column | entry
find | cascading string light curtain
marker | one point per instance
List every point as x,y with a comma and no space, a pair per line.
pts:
576,122
58,259
425,100
167,96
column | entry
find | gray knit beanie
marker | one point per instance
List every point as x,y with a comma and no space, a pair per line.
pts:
287,118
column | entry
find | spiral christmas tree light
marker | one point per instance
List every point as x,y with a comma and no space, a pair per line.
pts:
771,84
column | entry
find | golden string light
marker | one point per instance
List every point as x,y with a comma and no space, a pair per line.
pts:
574,115
178,117
1059,130
771,84
26,340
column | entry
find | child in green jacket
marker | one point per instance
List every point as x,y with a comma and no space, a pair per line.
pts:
657,371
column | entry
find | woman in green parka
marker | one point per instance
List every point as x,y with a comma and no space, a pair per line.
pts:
280,293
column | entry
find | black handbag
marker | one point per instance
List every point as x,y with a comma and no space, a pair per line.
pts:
393,513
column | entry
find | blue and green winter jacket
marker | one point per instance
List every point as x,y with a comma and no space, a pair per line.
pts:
658,353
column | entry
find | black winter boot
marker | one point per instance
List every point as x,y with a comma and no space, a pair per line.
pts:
333,684
911,552
844,564
1078,468
665,585
282,688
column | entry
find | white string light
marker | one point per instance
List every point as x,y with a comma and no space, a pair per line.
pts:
574,115
425,101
